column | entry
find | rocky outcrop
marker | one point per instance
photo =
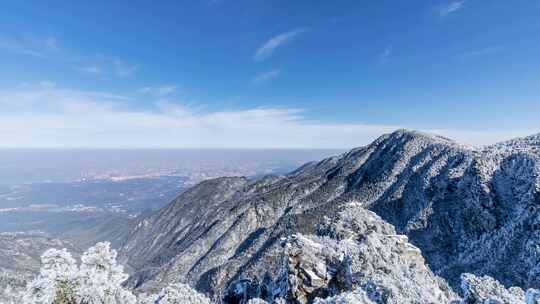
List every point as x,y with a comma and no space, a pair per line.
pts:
480,290
355,256
358,252
466,209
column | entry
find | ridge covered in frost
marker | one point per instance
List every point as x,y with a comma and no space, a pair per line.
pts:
467,210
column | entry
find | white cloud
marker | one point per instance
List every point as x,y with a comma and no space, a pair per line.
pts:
51,43
47,46
158,91
48,116
484,51
106,66
264,77
29,45
385,54
123,69
451,8
47,84
267,49
90,69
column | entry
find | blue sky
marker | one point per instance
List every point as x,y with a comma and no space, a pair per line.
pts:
265,74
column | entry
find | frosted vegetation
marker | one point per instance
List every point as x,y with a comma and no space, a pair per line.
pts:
97,280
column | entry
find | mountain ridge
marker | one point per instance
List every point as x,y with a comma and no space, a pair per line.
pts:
456,203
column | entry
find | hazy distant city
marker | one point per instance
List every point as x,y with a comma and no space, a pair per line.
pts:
38,187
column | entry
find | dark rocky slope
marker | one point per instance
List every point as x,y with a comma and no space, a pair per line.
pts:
468,210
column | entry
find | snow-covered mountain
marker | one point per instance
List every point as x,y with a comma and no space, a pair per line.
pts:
529,143
466,209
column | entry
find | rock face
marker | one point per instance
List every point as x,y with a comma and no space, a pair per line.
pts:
467,210
358,252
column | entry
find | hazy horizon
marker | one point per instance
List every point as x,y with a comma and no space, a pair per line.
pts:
477,139
19,166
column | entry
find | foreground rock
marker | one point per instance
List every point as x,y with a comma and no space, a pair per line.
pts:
356,255
362,252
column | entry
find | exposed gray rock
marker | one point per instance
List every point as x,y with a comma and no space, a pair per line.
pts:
357,251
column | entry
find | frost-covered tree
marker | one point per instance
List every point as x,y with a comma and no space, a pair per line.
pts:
532,296
10,295
356,297
100,278
175,294
56,282
97,281
144,298
257,301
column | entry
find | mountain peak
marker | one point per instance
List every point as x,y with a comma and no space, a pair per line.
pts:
420,135
531,142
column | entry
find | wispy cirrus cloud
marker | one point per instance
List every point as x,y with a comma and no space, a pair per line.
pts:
482,51
123,69
29,45
106,66
267,76
385,54
92,119
267,49
46,115
159,90
48,46
90,69
450,8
